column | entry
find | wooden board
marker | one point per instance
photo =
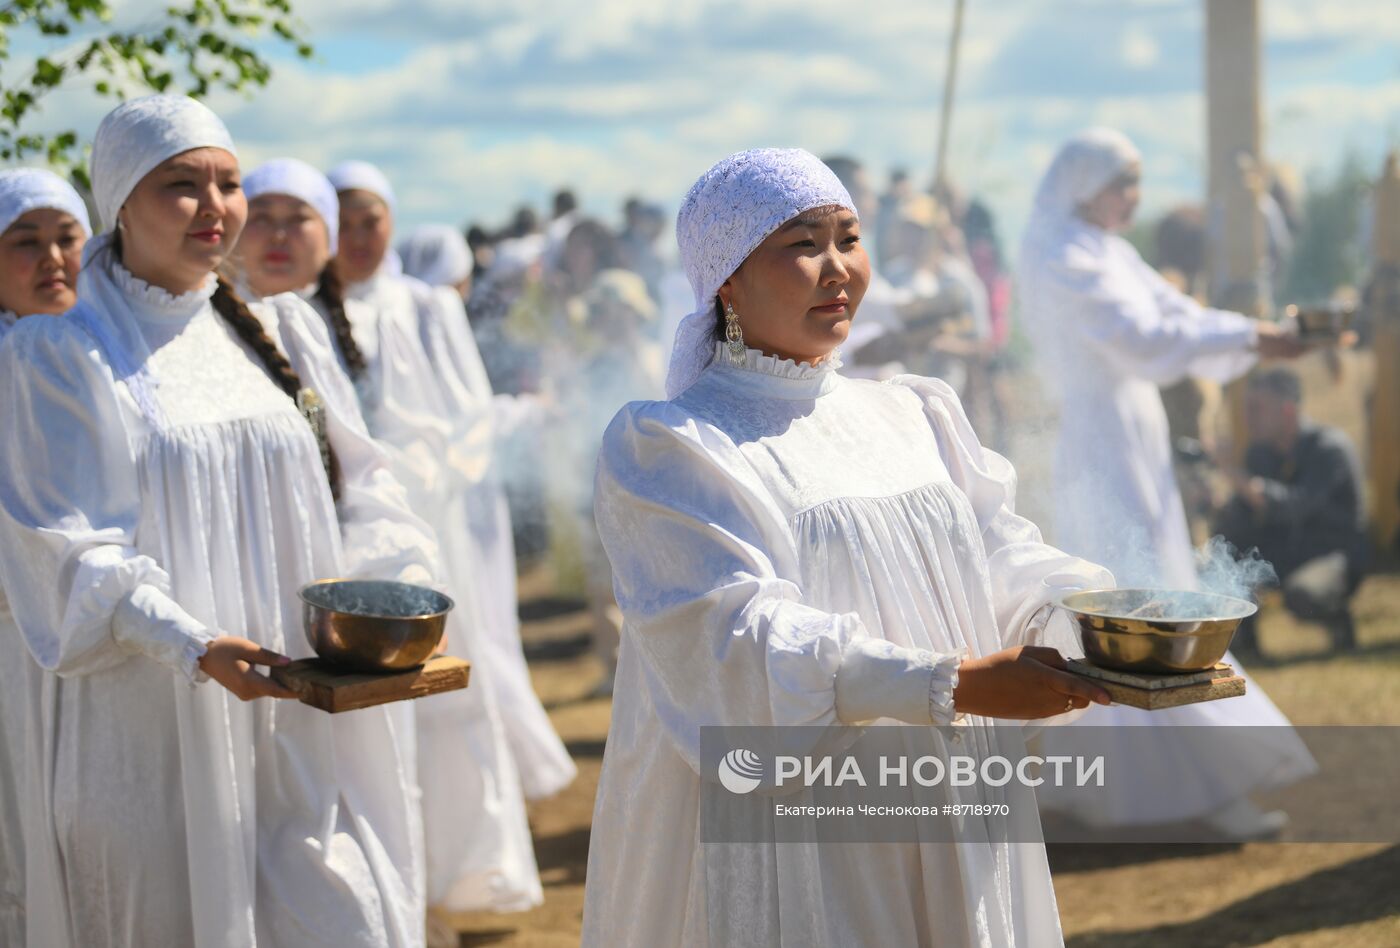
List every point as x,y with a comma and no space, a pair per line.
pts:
332,689
1231,687
1155,692
1145,680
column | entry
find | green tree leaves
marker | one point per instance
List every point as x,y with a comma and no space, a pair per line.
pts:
195,46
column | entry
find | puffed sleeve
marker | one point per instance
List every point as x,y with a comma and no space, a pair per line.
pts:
1159,335
704,571
1027,574
85,598
382,539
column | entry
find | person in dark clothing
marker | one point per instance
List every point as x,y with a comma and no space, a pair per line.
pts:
1299,502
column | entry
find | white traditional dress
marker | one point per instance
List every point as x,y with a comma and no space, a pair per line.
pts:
773,530
481,516
21,190
17,676
157,490
1110,330
480,853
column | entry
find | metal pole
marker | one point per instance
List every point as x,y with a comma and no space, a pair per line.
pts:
950,82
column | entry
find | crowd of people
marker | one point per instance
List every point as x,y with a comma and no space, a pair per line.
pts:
241,382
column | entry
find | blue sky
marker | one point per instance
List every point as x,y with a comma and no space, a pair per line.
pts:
473,107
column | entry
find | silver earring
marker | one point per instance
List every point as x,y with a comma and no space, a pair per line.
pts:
734,335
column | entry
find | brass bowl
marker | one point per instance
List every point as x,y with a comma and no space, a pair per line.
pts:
373,625
1158,631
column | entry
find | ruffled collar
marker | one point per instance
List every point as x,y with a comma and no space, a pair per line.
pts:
366,288
245,291
783,378
153,302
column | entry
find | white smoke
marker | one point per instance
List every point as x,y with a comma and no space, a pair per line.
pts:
1223,569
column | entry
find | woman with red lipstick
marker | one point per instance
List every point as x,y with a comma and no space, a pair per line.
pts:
290,246
43,226
479,851
791,547
506,881
173,467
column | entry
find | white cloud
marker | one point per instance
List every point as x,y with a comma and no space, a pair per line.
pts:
486,104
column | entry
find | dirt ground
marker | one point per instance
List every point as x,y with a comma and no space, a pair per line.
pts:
1110,895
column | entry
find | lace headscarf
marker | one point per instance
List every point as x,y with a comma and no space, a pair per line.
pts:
28,189
726,215
299,180
138,135
437,254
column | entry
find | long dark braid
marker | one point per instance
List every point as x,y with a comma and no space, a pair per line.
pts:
330,291
249,328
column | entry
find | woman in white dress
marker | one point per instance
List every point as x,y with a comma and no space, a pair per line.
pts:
162,498
479,852
793,547
1110,330
367,223
43,226
437,265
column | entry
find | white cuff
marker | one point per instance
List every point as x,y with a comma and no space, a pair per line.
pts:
151,623
878,679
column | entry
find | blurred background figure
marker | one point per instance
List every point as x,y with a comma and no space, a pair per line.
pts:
1192,404
927,265
642,229
562,219
438,255
899,190
1299,502
618,361
988,398
1109,330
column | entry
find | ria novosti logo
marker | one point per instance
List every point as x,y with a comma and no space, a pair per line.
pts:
741,771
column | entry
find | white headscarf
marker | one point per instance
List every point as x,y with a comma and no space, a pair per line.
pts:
363,176
138,135
297,179
1084,166
726,215
437,254
28,189
132,140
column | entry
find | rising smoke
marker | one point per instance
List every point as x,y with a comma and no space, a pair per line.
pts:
1225,570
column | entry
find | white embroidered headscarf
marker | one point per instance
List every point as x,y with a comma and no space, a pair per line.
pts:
363,176
726,215
138,135
297,179
29,189
437,254
1084,166
132,141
